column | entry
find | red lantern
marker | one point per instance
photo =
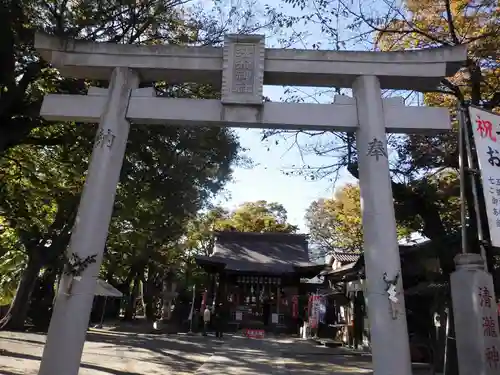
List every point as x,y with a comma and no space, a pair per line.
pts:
295,307
204,301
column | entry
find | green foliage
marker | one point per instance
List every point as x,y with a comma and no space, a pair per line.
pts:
442,189
11,264
168,175
259,216
336,224
199,237
39,190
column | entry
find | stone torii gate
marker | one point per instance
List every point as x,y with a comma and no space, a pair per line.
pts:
240,69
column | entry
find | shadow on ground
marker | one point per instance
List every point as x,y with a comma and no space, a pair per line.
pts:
120,353
113,353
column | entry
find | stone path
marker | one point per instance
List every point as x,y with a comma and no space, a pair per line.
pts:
281,356
241,356
119,353
112,353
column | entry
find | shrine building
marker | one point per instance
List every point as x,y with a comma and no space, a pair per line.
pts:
257,276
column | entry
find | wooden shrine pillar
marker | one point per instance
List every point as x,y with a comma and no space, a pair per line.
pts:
211,290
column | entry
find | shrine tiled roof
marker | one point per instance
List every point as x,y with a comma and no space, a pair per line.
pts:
346,257
273,253
428,287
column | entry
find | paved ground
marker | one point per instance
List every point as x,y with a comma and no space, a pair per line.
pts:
112,353
119,353
241,356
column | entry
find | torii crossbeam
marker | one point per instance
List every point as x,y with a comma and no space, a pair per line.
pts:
145,108
241,68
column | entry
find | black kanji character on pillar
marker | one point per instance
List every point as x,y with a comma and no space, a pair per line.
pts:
484,297
493,157
489,326
376,148
492,357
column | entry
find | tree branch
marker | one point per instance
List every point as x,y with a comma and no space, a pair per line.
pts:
493,102
57,141
451,25
15,96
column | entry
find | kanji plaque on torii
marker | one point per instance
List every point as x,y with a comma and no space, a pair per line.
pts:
240,69
243,69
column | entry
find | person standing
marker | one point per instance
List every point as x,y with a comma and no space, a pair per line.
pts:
206,320
266,311
218,320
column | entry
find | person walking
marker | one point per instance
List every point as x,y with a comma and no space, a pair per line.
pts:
206,320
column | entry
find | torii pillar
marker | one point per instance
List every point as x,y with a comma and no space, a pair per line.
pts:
70,317
244,65
388,326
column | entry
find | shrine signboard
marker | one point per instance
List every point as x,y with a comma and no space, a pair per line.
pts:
254,333
486,130
243,73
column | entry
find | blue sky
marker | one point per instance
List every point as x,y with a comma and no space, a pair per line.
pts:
266,181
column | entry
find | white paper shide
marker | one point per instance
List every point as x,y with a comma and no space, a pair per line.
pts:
486,129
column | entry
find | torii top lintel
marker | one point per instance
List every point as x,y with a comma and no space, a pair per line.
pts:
420,70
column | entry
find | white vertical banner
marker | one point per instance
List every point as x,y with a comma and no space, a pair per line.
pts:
486,130
192,304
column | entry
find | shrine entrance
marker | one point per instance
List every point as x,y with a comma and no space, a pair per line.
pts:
241,68
257,277
255,301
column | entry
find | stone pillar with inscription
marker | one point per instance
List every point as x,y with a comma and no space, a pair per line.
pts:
386,307
243,77
476,317
70,319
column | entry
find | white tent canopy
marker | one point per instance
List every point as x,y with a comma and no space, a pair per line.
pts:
104,289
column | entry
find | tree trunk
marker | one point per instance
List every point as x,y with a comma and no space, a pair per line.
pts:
130,308
148,299
149,309
16,315
451,345
165,312
41,301
38,256
438,335
128,293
